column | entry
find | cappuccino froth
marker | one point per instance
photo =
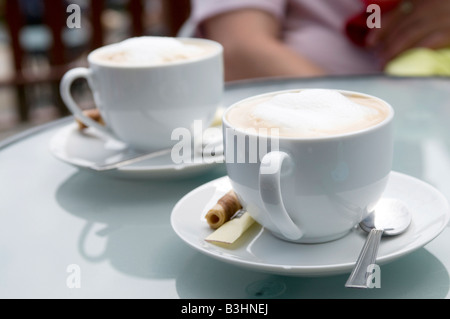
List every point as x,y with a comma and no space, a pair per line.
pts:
309,113
151,51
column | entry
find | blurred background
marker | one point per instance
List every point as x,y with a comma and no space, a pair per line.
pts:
37,47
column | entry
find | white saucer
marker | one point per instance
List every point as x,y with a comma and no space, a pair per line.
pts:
88,148
261,251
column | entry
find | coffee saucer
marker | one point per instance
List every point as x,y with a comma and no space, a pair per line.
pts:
259,250
89,148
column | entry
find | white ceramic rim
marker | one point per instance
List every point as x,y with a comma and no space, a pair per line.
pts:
383,123
57,148
215,53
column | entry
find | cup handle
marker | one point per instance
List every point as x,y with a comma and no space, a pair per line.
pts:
66,95
270,191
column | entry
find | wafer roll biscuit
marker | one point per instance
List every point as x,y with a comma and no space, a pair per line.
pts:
222,212
94,114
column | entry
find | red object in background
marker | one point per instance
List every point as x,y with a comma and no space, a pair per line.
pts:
356,27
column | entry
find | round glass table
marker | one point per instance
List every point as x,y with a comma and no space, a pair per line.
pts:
67,232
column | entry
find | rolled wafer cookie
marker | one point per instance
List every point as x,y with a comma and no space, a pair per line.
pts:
94,114
222,212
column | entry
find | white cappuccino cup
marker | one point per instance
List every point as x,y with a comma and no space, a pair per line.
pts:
309,165
147,87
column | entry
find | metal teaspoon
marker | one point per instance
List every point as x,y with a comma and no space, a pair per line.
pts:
390,218
212,139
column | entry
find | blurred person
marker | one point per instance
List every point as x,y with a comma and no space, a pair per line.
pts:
264,38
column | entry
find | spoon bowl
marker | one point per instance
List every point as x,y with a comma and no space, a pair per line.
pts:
390,217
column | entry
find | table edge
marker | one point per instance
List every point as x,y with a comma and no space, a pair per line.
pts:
31,131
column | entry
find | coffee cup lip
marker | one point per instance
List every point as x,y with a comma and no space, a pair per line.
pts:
214,53
389,118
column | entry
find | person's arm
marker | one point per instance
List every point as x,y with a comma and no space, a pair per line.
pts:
253,48
427,26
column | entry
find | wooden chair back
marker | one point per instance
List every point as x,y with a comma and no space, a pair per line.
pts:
175,12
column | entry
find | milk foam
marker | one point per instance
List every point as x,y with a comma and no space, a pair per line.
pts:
150,51
310,113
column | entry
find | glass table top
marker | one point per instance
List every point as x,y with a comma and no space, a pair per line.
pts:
115,235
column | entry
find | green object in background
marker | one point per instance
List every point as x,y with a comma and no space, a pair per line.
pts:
421,62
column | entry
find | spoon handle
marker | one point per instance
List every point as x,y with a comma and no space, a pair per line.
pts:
129,161
367,257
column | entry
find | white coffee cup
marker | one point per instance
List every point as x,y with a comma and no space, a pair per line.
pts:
142,104
309,189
